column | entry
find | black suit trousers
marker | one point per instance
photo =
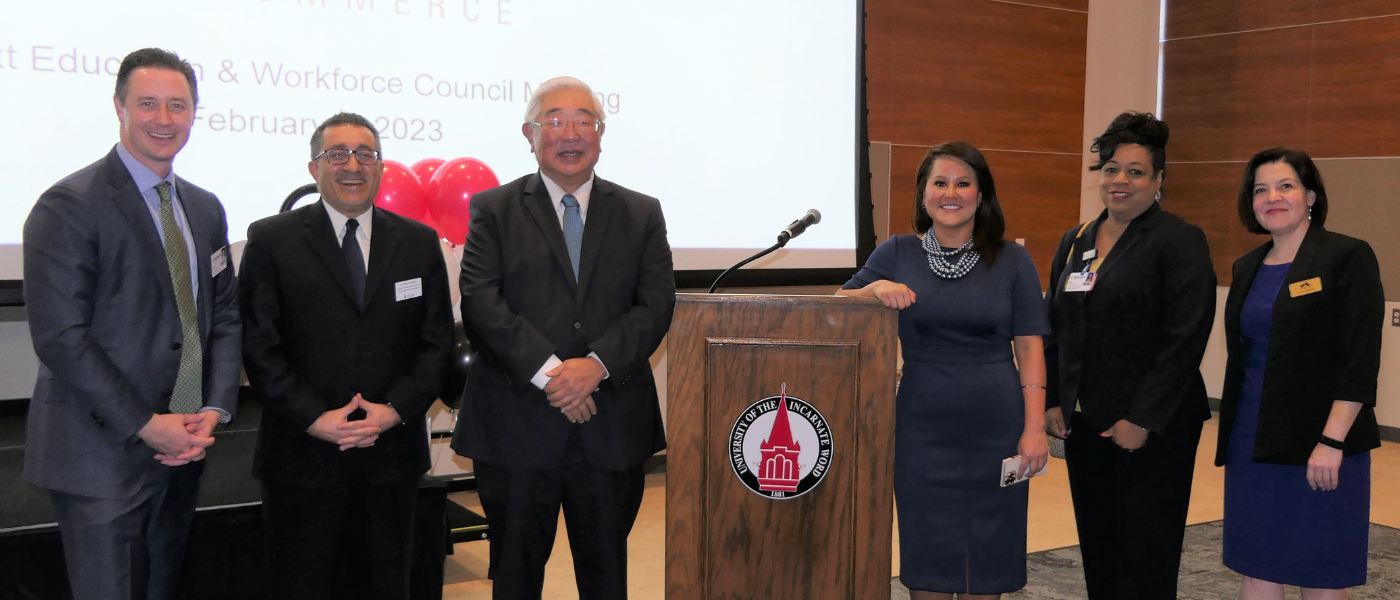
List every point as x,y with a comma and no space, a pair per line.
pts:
1130,509
344,541
522,508
130,548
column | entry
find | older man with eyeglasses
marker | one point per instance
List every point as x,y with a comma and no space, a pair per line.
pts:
349,325
567,290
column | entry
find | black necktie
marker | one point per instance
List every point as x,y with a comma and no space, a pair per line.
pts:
354,260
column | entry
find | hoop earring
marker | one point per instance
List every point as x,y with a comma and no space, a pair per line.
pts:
1158,196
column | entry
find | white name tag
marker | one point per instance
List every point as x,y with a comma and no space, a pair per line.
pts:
218,262
1080,282
408,288
1090,253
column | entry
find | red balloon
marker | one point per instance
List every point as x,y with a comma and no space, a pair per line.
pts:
401,192
428,220
450,192
425,168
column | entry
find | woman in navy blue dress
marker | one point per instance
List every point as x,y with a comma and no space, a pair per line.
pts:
966,299
1303,332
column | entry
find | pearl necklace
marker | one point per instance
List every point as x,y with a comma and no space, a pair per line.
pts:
938,257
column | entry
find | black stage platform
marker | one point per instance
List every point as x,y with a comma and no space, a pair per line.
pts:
226,552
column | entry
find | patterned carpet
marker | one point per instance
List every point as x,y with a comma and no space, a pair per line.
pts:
1057,575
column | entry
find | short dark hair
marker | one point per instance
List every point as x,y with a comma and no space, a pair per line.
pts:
1138,128
988,224
1308,175
343,118
158,59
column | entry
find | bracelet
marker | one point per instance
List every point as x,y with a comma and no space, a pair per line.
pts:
1331,443
1032,385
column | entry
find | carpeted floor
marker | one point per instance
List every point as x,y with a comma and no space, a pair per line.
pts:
1057,574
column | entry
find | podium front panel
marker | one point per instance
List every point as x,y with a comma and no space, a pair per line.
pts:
758,509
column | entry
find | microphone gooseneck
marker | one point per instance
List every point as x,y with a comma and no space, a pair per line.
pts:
793,230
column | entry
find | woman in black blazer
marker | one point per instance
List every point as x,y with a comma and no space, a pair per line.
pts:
1303,332
1132,300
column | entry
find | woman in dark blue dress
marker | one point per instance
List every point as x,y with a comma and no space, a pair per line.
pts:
966,298
1303,332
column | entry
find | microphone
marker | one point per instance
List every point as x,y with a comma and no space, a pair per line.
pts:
796,228
793,230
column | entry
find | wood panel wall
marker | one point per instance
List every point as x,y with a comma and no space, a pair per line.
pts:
1007,77
1321,76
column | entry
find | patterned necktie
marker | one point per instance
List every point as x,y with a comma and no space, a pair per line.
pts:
573,230
354,260
188,395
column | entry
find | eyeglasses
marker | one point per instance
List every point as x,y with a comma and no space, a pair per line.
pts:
340,156
557,125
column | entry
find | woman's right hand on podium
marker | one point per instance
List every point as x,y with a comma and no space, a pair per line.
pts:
894,295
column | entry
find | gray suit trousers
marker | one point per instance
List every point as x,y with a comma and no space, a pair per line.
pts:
129,548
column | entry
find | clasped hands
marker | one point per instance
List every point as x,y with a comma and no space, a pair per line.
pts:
571,386
180,439
1128,436
333,425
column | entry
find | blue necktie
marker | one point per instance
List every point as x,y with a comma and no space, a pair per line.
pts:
573,230
355,261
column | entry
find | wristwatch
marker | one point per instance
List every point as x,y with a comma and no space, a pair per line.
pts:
1331,443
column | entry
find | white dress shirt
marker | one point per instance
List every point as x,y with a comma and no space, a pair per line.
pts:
338,222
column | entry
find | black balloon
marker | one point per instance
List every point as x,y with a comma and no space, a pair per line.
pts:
454,376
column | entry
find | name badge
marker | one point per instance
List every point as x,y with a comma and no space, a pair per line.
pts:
218,262
1305,287
1080,282
408,288
1090,254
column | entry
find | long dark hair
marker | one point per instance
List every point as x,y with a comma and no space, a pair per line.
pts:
988,224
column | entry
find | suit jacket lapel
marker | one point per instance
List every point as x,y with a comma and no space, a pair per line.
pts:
539,205
600,209
383,241
1136,230
132,207
1239,288
200,225
1302,267
321,237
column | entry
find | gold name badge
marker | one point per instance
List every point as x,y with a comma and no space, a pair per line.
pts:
1305,287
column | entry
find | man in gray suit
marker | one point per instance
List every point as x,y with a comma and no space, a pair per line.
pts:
133,311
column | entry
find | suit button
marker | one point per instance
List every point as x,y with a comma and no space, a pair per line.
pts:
176,346
578,325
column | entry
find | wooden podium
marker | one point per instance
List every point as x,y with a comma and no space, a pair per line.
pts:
769,508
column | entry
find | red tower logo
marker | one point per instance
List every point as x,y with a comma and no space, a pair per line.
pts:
778,469
780,447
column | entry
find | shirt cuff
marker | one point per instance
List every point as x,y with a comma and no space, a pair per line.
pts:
540,379
594,356
224,417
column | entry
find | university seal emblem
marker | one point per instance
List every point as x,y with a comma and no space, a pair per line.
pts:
780,447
